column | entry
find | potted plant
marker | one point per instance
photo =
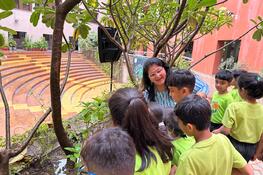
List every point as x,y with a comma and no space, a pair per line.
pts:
11,43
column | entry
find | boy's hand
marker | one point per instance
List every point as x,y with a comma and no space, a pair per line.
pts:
173,170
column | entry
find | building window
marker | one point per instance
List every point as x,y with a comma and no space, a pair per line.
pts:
229,55
23,6
188,51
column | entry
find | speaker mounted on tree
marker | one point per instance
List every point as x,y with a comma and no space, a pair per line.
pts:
108,51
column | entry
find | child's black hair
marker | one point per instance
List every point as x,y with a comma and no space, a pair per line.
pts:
181,78
170,121
224,75
252,83
110,152
195,110
237,72
157,111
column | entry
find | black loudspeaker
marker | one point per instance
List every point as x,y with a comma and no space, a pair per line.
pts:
108,51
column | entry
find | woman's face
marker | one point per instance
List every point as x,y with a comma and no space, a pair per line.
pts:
157,75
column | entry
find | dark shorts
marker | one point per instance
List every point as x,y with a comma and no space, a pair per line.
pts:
214,126
247,150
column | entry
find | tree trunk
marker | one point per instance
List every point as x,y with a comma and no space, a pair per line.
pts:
4,162
61,12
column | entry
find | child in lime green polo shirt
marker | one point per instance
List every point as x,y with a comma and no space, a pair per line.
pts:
221,98
243,121
212,154
181,142
234,92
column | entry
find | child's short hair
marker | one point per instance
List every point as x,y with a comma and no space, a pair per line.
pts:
195,110
170,121
224,75
182,78
110,152
252,83
156,111
237,72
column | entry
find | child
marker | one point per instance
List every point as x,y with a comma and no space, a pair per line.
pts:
243,121
234,92
213,154
181,83
180,141
221,98
109,152
130,111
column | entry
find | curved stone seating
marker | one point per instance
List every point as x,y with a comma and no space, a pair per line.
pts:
26,83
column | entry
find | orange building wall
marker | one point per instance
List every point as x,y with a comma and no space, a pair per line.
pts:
251,51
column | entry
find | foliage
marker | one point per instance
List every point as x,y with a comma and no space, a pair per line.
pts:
258,34
91,42
11,41
2,40
29,44
228,63
75,155
93,113
182,63
6,6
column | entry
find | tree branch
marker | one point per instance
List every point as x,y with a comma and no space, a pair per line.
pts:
192,36
211,53
7,113
103,28
160,44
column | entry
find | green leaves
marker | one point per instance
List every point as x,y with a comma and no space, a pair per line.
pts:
34,18
13,32
84,30
7,4
258,34
206,3
5,14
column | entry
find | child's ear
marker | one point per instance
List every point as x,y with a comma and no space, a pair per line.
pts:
185,90
190,127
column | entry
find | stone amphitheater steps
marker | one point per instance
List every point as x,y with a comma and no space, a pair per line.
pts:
26,82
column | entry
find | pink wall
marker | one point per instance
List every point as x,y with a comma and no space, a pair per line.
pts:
250,52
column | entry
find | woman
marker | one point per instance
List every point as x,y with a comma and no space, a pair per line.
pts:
155,72
129,110
155,89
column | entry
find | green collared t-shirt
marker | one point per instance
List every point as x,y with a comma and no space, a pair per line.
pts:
213,156
219,103
245,120
180,146
236,97
155,168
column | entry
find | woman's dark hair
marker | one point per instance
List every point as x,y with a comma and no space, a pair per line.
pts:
129,110
252,83
195,110
146,82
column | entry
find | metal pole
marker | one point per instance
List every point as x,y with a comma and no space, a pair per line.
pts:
111,76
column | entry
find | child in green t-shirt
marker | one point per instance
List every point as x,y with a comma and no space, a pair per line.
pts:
243,121
212,153
180,141
234,92
221,98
